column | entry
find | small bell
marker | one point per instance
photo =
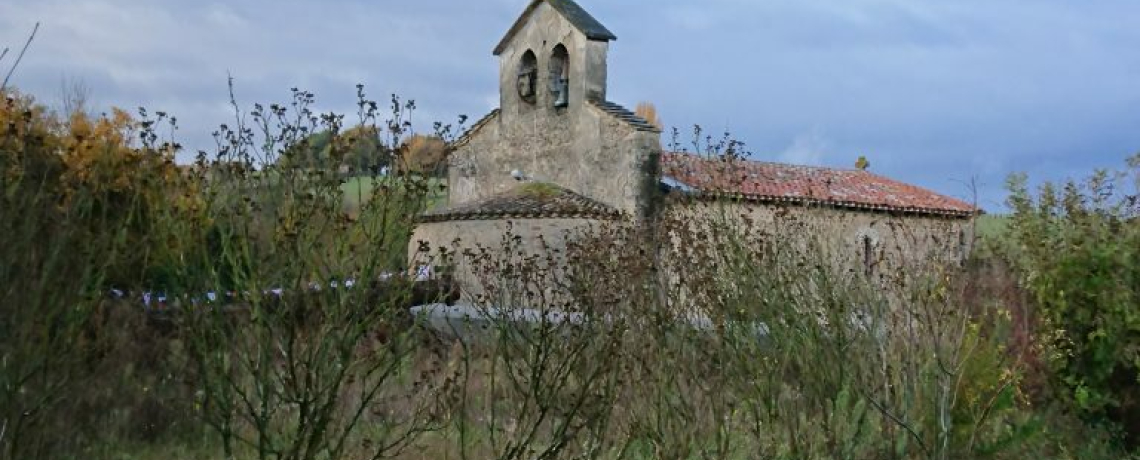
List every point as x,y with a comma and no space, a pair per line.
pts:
526,84
563,99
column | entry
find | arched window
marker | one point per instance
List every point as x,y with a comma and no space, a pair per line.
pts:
560,76
528,77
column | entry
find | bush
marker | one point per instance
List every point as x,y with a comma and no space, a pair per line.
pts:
70,216
319,370
695,338
1076,246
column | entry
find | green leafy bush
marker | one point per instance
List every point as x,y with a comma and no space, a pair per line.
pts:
1076,246
931,369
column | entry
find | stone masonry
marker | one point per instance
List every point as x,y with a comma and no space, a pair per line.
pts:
556,158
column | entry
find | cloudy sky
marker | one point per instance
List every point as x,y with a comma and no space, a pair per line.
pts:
935,92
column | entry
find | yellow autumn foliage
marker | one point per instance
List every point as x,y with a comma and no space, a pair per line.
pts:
26,133
94,159
94,155
424,154
648,112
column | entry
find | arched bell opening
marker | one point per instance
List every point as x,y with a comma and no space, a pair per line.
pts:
528,77
560,76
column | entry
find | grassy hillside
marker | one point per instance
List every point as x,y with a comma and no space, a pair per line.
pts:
992,226
358,190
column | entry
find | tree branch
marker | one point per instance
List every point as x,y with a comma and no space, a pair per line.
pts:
18,57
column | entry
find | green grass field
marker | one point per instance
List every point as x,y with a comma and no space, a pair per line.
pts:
992,226
357,190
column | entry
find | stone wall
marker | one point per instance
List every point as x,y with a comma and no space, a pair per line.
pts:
895,241
898,244
463,235
584,150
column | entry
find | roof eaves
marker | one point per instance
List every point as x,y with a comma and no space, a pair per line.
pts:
852,205
478,125
481,215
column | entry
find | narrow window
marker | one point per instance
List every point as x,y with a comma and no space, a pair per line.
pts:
963,247
560,76
528,77
868,257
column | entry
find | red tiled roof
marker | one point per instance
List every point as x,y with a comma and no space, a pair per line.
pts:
775,182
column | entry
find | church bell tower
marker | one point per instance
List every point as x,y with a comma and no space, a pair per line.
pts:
553,59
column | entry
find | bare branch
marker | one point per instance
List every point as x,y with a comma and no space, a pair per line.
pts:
18,57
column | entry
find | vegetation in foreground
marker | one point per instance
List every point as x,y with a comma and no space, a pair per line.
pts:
1028,351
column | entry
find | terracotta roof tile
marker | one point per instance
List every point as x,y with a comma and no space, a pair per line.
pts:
532,200
775,182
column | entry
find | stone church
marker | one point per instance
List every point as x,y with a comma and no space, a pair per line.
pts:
557,155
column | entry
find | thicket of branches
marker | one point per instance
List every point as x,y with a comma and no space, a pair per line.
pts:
283,330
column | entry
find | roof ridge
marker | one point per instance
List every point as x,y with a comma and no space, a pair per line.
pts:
524,201
776,163
573,12
475,127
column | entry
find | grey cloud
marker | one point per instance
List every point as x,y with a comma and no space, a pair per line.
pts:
935,93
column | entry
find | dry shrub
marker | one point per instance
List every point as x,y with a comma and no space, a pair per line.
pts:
424,154
715,338
681,337
648,112
73,209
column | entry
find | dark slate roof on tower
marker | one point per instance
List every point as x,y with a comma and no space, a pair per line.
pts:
574,13
531,200
785,183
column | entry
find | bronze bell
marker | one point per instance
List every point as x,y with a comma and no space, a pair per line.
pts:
526,84
563,98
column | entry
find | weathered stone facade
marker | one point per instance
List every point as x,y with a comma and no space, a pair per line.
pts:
871,243
595,152
580,146
534,237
